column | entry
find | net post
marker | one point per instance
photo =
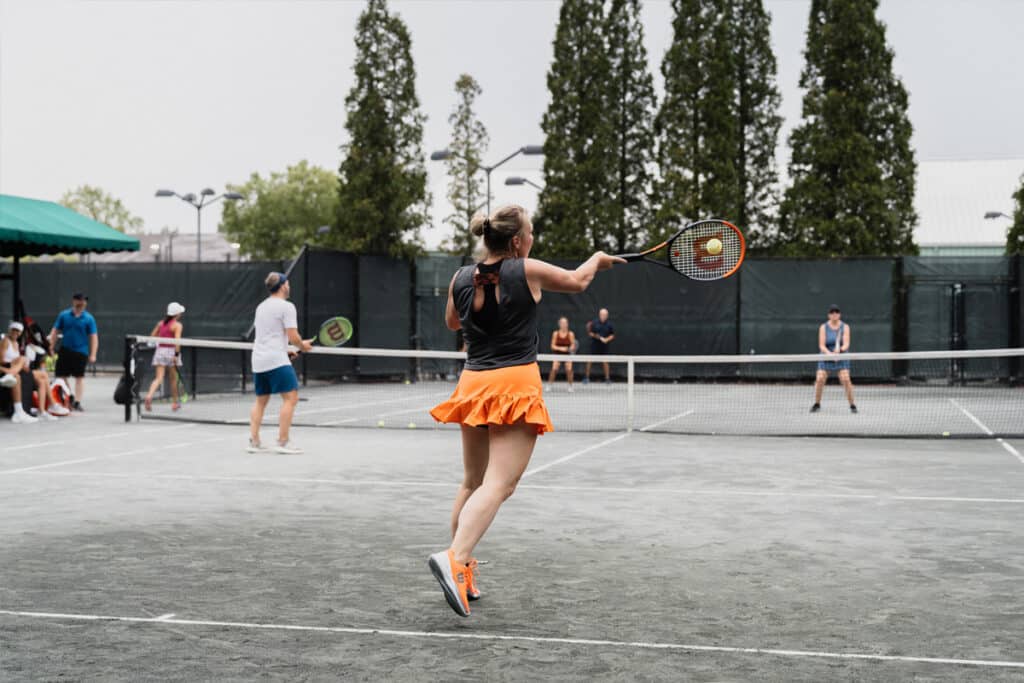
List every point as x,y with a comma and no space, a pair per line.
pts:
630,398
129,343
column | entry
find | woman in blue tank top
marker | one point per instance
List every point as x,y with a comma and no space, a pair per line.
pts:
499,398
833,339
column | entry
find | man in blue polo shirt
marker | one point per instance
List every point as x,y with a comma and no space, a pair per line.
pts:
602,334
78,346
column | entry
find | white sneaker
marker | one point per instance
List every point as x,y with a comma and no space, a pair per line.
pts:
46,417
285,449
23,419
571,390
58,410
256,447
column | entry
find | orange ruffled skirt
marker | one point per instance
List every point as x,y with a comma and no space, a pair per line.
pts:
502,396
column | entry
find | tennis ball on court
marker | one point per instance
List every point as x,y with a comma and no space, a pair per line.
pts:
412,425
945,433
380,423
714,246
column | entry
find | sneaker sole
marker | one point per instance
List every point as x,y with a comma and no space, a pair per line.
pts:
442,571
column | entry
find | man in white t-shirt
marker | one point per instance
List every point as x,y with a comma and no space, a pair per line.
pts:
276,326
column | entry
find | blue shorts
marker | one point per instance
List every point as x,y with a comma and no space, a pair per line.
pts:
277,381
833,365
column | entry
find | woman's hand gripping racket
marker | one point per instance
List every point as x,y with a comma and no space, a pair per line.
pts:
705,250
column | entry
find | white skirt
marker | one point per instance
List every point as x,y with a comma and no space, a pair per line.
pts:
164,355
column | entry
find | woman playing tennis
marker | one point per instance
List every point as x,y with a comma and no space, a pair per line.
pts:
167,357
833,339
498,400
563,341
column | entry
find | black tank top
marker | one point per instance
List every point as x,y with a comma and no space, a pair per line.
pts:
503,333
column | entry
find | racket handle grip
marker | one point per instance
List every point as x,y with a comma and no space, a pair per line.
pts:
631,257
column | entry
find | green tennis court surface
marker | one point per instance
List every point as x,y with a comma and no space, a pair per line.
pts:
157,550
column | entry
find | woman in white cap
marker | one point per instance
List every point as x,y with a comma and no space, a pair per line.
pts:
167,357
12,363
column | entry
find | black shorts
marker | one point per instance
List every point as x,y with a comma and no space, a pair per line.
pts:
71,363
597,347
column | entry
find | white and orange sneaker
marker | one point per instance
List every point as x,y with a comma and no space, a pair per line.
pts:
472,592
453,579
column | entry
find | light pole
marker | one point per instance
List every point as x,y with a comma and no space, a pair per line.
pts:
199,205
516,180
528,150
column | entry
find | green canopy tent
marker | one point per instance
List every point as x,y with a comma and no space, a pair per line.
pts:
32,227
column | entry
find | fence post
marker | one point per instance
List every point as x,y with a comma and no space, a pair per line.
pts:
129,369
630,398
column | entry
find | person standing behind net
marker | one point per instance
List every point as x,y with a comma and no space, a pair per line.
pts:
276,326
833,339
167,357
499,398
602,333
563,341
79,345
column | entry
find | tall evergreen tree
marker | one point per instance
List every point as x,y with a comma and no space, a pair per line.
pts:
467,146
757,109
852,165
1015,235
574,204
697,126
631,103
383,189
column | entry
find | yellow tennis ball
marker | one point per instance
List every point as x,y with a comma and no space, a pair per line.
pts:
412,425
714,246
380,423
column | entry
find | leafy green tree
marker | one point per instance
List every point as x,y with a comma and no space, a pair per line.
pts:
757,103
852,164
695,125
383,197
281,212
631,104
467,146
98,205
1015,235
574,203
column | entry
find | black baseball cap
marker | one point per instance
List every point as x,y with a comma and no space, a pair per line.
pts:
833,307
79,296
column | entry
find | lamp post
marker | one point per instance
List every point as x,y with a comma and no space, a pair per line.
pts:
199,205
528,150
516,180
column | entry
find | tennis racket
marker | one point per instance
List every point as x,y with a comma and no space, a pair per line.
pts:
334,332
179,375
839,338
690,250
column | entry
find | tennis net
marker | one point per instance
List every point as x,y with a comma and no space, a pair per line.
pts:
938,394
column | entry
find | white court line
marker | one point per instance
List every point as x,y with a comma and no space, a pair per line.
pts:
418,409
540,487
165,617
349,405
983,427
674,417
93,438
683,647
574,454
135,451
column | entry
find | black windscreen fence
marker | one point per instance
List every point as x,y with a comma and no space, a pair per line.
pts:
772,306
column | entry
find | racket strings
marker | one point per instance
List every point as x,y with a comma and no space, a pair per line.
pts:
689,253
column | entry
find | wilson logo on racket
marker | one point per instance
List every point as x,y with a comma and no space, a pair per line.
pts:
704,259
335,332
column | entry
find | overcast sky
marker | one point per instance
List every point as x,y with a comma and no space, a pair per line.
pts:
132,95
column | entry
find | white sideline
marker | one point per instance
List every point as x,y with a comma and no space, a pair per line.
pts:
135,451
668,419
683,647
541,487
93,438
574,454
984,428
